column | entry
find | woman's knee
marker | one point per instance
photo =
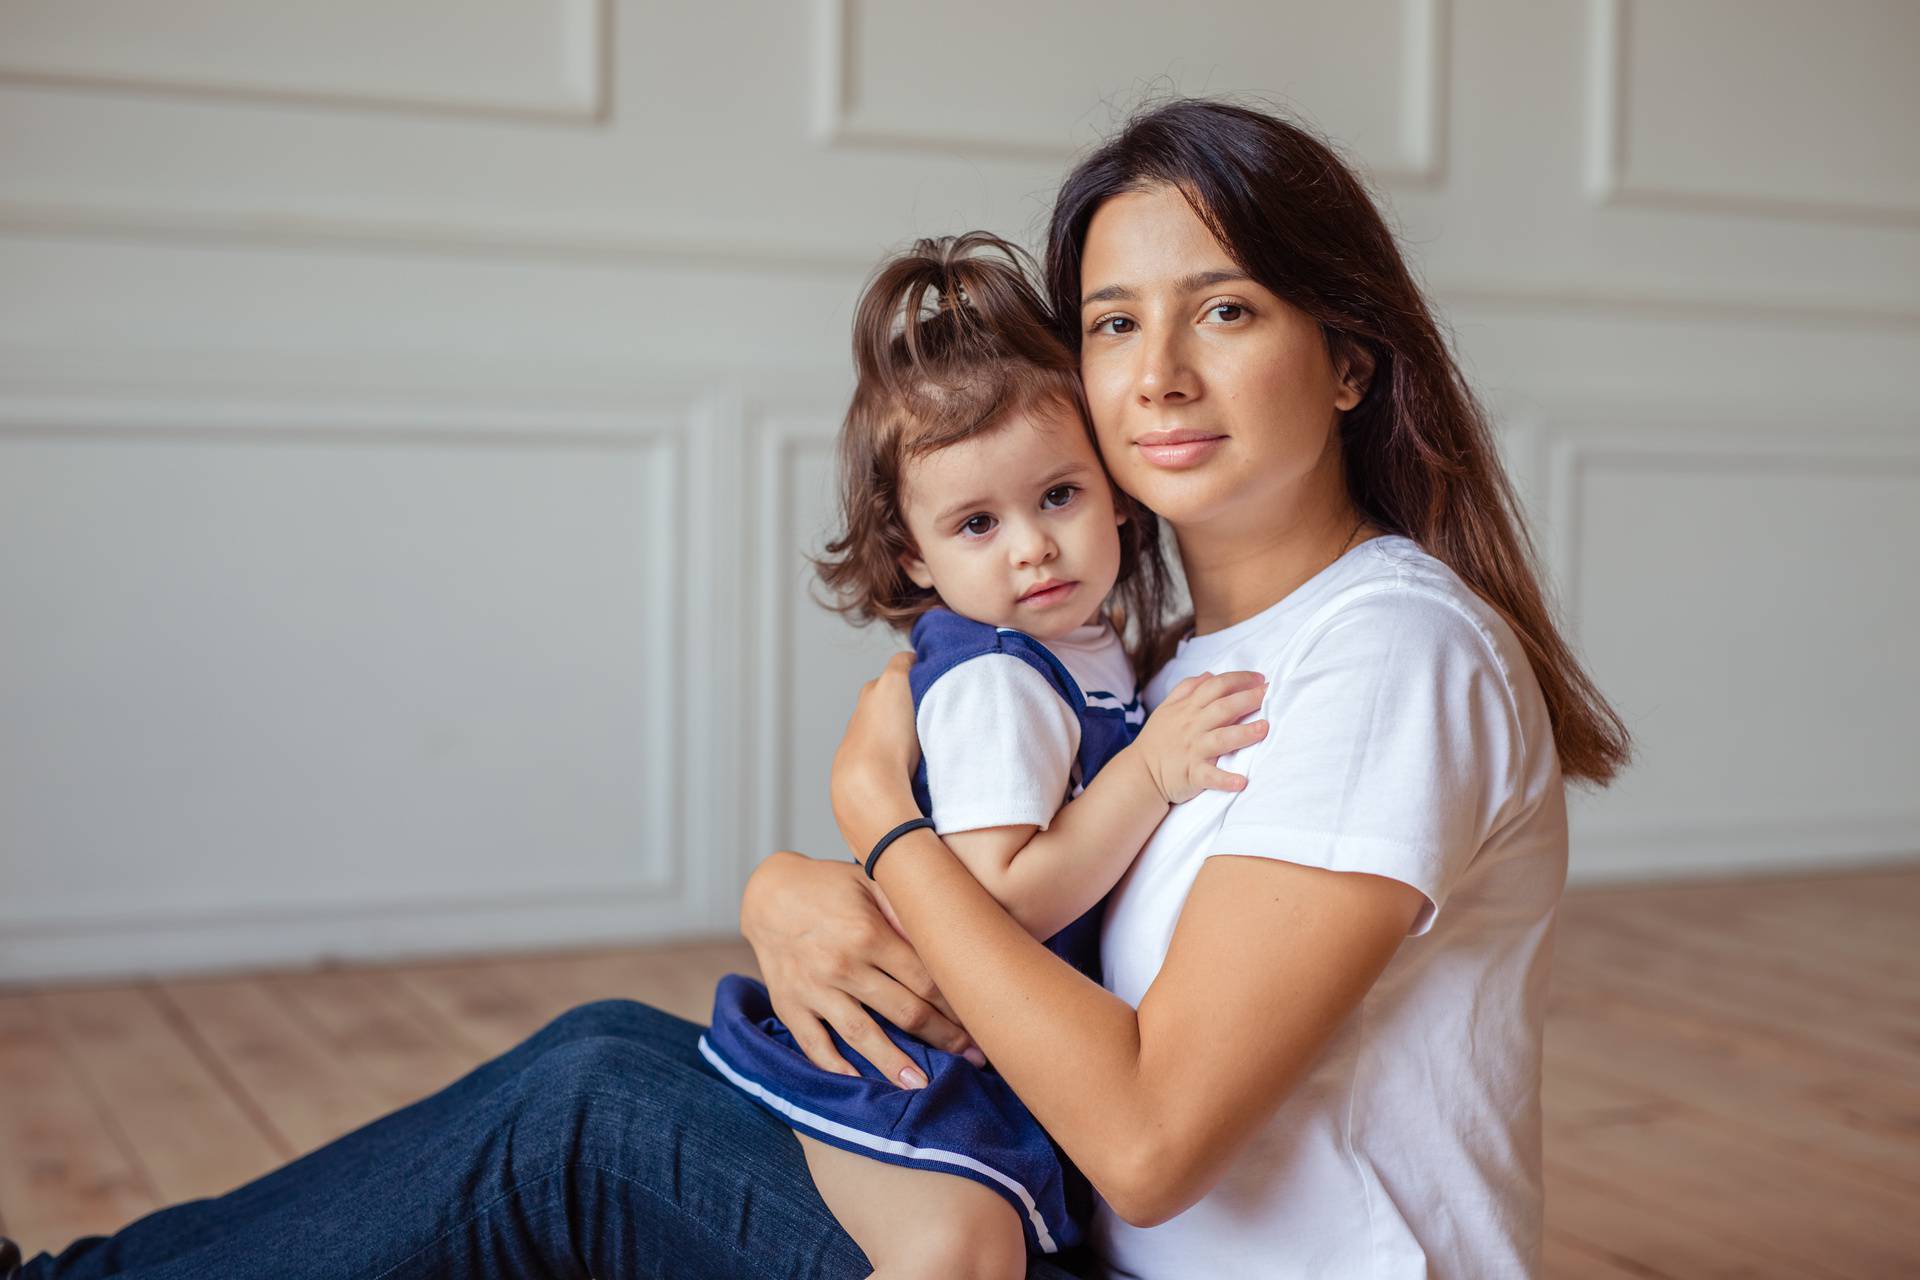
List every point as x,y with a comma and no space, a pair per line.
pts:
609,1083
619,1019
578,1103
597,1059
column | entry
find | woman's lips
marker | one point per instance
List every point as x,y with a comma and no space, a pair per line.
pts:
1052,595
1176,449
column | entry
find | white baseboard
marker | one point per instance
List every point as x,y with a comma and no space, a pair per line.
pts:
177,945
1724,851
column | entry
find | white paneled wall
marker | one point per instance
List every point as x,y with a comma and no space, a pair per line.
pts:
413,417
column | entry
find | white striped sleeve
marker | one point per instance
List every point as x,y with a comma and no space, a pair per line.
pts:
999,742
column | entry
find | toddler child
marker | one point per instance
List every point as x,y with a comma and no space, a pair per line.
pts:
977,513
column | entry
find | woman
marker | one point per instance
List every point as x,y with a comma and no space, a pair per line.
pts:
1340,972
1317,1048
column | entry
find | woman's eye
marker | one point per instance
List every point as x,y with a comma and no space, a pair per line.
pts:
1113,324
1227,311
1059,496
977,526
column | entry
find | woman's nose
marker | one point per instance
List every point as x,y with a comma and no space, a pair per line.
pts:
1165,374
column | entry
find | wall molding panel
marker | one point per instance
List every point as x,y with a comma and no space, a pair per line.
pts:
1834,713
777,441
807,663
1411,152
1571,454
1847,178
576,875
529,60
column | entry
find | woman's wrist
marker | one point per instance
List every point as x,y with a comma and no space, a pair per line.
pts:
868,803
758,887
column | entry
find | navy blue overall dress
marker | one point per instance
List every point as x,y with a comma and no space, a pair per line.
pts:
966,1120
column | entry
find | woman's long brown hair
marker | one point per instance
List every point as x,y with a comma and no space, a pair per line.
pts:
1418,450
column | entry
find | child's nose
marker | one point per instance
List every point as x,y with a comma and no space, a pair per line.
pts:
1035,547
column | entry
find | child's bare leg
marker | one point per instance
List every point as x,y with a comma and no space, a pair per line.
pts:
917,1223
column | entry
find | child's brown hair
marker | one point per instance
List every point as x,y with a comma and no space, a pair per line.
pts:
950,338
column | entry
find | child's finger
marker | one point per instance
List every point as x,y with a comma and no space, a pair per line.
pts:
1217,779
1234,705
1231,738
1186,687
1219,686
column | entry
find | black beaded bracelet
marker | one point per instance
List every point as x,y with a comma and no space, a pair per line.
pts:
887,839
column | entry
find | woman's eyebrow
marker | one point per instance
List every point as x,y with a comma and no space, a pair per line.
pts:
1112,293
1187,284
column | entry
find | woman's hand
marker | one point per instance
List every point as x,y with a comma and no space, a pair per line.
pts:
826,949
876,759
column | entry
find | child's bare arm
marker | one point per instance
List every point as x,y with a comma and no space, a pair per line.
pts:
1047,879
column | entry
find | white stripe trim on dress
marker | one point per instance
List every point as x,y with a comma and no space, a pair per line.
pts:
932,1155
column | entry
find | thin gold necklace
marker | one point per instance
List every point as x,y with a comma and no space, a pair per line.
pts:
1357,526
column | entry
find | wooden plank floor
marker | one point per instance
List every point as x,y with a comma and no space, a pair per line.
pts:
1733,1075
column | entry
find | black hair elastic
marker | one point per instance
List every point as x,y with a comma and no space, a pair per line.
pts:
887,839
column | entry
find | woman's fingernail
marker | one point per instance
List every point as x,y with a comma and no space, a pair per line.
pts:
972,1054
912,1078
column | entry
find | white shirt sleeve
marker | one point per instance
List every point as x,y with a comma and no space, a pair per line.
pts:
999,742
1394,745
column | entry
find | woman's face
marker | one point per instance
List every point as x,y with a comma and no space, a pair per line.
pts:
1215,402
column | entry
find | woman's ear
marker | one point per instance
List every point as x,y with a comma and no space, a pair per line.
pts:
916,569
1353,370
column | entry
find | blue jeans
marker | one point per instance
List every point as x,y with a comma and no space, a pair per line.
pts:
601,1146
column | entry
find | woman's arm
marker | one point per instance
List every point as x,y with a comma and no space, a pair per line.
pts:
1267,960
1048,879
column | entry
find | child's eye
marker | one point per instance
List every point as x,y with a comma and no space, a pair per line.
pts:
1112,324
1221,308
1058,496
977,526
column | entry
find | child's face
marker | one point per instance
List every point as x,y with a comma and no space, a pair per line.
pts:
1016,527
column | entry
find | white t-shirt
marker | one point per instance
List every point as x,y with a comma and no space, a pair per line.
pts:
1000,742
1409,739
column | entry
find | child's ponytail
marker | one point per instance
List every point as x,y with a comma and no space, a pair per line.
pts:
952,315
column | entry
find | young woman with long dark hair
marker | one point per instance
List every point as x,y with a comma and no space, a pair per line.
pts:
1316,1051
1318,1045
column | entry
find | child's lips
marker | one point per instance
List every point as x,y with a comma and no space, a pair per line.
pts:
1048,593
